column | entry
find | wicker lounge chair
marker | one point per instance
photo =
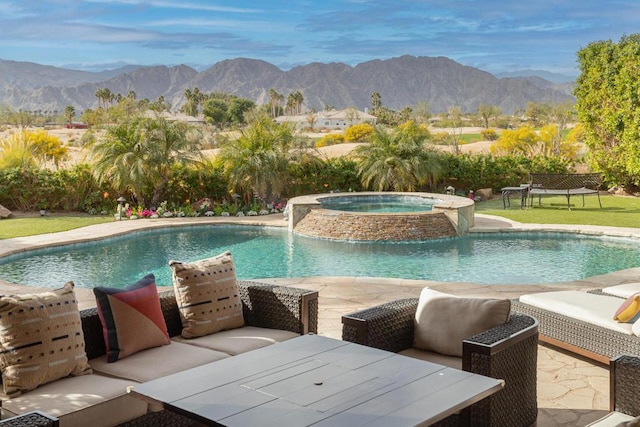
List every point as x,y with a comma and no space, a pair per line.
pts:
624,391
575,331
508,351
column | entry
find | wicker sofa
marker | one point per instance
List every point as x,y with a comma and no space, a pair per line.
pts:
582,323
508,351
277,311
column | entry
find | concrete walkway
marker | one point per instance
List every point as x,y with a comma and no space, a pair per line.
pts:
571,391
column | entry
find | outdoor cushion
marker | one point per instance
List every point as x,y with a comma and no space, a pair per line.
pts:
443,321
88,400
591,308
430,356
612,419
628,309
240,340
41,339
624,290
207,295
131,317
157,362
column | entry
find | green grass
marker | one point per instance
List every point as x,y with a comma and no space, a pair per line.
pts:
468,138
616,211
20,227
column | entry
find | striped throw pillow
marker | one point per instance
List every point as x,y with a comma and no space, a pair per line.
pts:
207,295
41,339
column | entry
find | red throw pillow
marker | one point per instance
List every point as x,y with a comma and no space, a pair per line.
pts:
131,318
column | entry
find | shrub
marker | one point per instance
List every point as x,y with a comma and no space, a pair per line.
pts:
489,134
330,139
359,132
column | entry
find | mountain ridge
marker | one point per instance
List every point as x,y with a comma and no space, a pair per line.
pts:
401,81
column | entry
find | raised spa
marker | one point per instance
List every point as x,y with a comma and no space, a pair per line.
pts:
375,216
378,203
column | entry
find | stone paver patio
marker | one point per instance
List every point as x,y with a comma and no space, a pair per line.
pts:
572,391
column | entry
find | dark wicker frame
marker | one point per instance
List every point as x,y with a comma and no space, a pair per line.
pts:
266,306
624,385
508,352
583,338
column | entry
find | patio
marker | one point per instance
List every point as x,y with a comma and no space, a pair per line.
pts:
571,391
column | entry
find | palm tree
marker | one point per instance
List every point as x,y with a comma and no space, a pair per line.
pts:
69,113
376,102
298,99
275,100
397,160
139,154
257,162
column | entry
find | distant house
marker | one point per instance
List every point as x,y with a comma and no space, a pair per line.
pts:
331,120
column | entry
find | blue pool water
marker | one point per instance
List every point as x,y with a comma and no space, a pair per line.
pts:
260,252
386,203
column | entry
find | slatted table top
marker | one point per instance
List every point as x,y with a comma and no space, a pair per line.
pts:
320,381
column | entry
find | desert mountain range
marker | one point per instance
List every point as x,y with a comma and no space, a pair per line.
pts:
402,81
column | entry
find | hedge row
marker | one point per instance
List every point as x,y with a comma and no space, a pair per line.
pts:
76,189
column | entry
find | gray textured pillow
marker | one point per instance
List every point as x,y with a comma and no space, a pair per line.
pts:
443,321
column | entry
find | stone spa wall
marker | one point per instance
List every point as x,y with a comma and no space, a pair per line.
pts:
330,224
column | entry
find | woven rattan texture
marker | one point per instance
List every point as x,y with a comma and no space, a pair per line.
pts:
592,338
275,307
162,419
31,419
627,385
387,326
517,365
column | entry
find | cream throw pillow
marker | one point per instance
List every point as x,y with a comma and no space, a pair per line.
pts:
443,321
207,295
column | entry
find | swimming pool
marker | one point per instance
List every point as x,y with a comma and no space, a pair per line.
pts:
261,252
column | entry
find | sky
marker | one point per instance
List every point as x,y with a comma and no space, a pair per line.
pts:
495,36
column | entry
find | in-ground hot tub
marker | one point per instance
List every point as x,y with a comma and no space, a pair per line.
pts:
375,216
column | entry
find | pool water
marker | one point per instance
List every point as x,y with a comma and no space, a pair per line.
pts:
378,203
261,252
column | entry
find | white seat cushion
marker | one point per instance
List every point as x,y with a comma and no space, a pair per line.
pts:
88,400
236,341
612,419
156,362
595,309
623,291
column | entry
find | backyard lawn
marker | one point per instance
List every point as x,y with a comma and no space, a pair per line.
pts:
19,227
617,211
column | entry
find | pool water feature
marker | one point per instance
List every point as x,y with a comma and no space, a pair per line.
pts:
262,252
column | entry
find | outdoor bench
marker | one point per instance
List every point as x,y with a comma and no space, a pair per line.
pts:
271,314
564,184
